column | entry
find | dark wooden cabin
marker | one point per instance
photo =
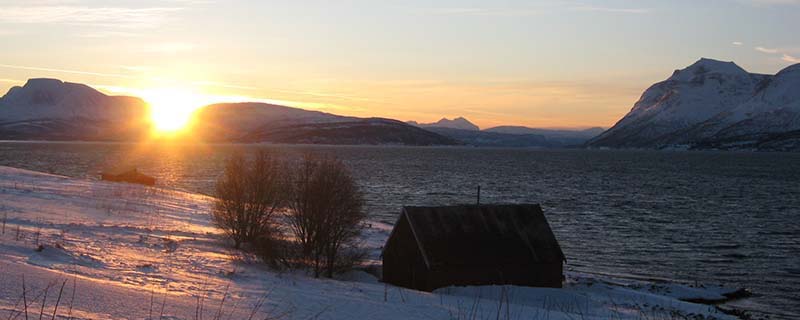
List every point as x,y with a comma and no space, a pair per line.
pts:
132,176
434,247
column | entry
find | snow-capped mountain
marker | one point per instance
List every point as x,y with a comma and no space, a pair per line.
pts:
713,104
55,99
56,110
457,123
50,109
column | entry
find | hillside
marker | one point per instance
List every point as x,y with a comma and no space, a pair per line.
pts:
50,109
493,139
373,131
713,104
135,252
459,123
261,122
465,132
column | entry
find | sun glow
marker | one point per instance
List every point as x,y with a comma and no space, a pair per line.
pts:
171,109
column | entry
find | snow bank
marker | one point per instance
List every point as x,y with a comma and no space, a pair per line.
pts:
132,251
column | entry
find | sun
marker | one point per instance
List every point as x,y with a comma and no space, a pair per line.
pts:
171,109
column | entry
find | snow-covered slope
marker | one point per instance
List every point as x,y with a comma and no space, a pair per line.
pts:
56,110
709,103
54,99
460,123
137,252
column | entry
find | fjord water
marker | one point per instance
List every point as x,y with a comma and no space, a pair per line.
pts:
707,217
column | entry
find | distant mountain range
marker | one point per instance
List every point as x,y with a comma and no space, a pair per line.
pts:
459,123
260,122
708,105
713,105
49,109
562,137
468,133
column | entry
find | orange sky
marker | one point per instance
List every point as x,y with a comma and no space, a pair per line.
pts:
532,63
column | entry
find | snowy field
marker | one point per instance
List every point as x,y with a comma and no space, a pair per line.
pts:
83,249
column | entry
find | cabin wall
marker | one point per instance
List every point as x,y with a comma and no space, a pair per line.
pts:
403,264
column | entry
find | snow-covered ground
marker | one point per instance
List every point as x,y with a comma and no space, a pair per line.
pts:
100,250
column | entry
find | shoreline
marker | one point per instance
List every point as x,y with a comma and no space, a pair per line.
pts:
124,234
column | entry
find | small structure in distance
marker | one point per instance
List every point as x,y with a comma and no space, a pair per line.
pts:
131,175
435,247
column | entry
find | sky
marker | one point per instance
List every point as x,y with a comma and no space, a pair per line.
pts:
565,64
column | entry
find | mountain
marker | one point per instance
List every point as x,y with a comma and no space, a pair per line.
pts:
262,122
464,131
563,137
457,123
370,131
494,139
713,104
50,109
233,121
55,110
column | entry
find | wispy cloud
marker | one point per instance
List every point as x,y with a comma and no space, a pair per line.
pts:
108,34
306,93
481,12
737,43
528,11
120,75
612,10
766,50
169,47
31,68
789,58
136,68
771,2
222,85
110,17
785,53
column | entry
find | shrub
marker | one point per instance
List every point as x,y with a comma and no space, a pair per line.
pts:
248,195
326,212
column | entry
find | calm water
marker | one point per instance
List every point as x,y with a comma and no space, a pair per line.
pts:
728,218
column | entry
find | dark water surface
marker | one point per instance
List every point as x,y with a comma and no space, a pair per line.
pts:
711,217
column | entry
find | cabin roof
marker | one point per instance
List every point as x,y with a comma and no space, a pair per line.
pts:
483,235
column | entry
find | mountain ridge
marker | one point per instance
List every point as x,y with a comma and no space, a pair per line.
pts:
460,128
460,123
46,108
51,109
711,104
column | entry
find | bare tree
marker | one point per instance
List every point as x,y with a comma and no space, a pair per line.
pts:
326,211
248,195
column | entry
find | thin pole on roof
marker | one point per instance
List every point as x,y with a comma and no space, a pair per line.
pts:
479,194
